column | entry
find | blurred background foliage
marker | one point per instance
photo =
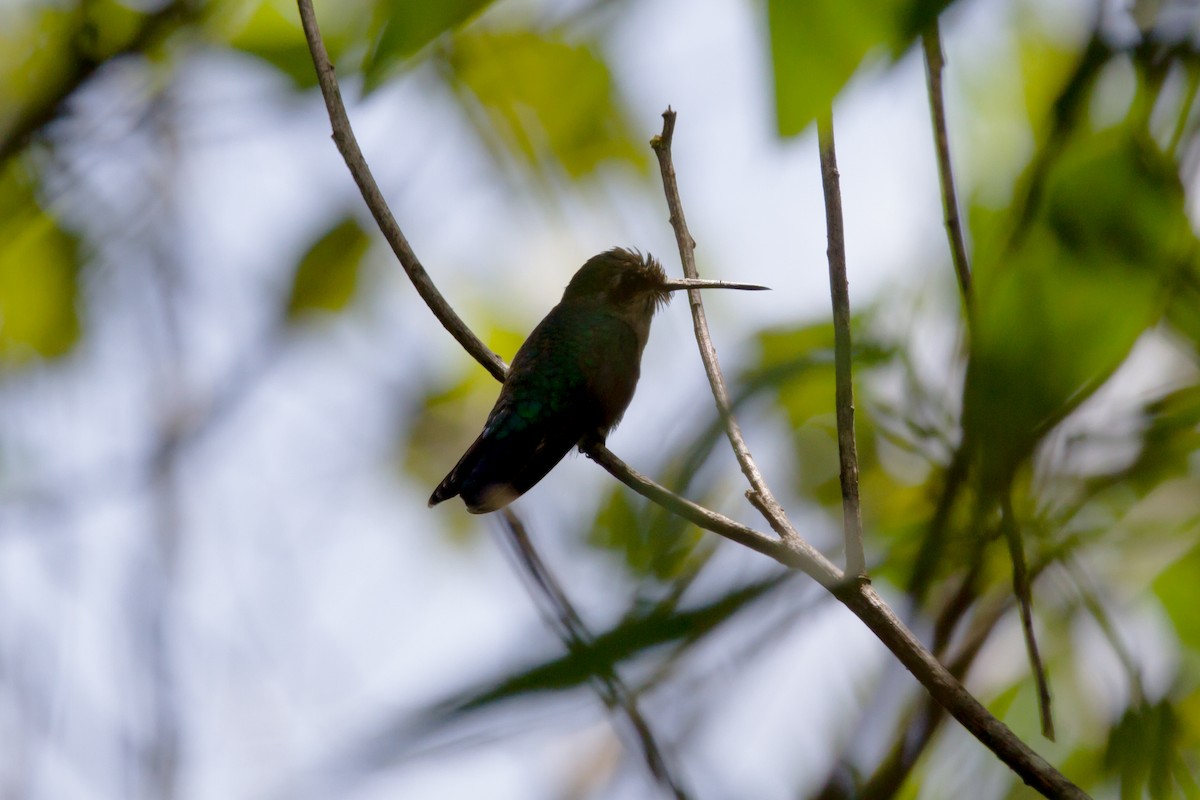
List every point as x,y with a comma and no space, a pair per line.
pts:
222,409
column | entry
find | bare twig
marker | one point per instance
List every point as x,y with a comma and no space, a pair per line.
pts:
934,63
918,728
1012,535
1088,595
347,144
839,293
792,551
574,633
866,604
761,493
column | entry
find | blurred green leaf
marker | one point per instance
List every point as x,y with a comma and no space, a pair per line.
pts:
1170,437
632,637
651,544
447,418
1143,748
406,26
273,33
1176,588
39,270
1065,290
107,28
36,59
1183,309
327,275
547,100
817,45
795,368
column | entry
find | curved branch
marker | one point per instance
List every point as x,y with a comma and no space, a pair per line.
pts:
347,145
950,694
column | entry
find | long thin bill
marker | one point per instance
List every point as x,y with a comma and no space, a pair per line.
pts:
675,284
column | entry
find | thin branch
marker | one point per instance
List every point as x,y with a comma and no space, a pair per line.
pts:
934,63
1084,586
919,733
866,604
761,496
917,727
839,293
573,632
343,137
917,730
792,551
1012,535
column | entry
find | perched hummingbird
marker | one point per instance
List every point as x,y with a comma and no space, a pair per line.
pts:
572,379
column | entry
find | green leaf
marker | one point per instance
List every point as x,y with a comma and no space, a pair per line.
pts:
1170,438
632,637
39,270
650,544
272,32
409,25
107,28
546,100
817,45
327,275
1065,289
1176,588
796,367
1143,748
35,60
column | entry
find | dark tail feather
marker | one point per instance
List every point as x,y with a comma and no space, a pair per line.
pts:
494,472
445,490
451,485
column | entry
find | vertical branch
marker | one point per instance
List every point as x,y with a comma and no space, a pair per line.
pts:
934,63
839,292
1012,535
760,494
578,639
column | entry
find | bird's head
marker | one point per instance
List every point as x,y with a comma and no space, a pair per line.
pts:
633,285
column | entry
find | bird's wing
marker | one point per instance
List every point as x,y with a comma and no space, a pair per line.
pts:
547,406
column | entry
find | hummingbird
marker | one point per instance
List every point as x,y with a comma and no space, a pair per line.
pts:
570,381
